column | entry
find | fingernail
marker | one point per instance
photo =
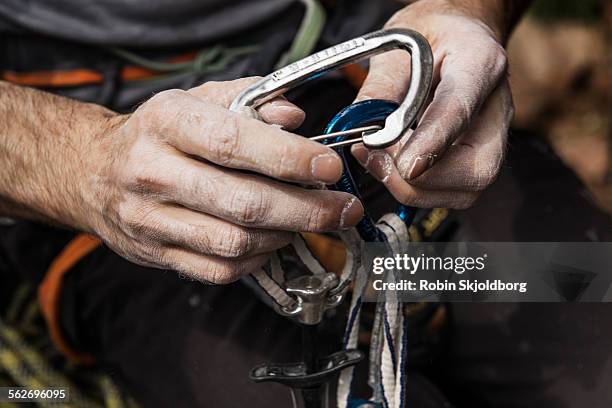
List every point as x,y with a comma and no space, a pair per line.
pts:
285,105
281,102
360,153
418,167
380,165
352,213
326,168
289,109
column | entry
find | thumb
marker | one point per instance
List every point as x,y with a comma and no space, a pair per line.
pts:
389,77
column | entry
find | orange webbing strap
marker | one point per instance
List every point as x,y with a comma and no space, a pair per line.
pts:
50,289
330,252
53,79
355,74
80,77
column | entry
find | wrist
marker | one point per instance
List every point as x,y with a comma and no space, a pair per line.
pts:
98,146
498,16
491,13
45,145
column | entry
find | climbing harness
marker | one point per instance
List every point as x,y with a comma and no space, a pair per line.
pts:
132,66
307,297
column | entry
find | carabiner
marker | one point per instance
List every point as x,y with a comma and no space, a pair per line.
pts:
343,54
356,116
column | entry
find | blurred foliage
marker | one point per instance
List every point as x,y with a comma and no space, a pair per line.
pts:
552,10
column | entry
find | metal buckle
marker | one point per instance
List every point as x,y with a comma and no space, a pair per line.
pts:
313,297
343,54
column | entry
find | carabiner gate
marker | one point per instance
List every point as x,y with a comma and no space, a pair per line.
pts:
343,54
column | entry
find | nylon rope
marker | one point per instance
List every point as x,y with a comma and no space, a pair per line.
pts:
307,35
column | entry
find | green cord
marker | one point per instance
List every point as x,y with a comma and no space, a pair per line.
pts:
308,34
218,57
208,60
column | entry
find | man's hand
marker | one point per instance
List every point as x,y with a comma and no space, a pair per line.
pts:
183,183
458,147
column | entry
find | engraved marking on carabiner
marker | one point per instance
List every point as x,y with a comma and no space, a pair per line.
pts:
346,53
317,57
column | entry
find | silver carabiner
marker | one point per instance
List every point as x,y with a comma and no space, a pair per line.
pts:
346,53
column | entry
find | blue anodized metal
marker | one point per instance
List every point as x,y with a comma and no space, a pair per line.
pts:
356,115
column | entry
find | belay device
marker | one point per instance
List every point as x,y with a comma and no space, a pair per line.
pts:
306,298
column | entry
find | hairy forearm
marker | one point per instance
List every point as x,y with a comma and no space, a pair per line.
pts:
44,141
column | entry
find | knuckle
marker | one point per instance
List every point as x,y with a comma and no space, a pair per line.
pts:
490,174
484,180
186,270
249,205
189,117
139,222
487,173
166,259
223,273
236,243
153,115
320,219
190,269
210,90
209,86
224,139
149,117
162,98
208,189
201,239
284,167
141,253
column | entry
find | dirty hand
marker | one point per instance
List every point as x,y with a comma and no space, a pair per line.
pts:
185,184
457,149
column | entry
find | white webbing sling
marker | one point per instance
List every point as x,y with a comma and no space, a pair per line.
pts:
388,342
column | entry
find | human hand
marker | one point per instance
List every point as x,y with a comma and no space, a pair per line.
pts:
185,184
458,147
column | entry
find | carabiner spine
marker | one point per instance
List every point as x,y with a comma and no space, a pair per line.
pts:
338,56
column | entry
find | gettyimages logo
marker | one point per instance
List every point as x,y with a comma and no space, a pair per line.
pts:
492,272
414,264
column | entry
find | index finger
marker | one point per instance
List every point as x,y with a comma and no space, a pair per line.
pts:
278,111
231,140
467,78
